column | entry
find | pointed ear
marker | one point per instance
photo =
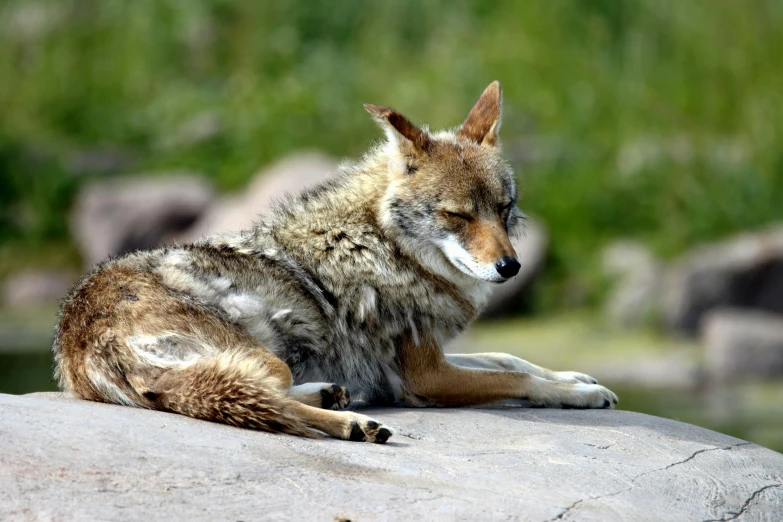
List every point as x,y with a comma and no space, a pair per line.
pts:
483,122
395,125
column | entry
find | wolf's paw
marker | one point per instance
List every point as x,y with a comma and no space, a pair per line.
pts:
586,396
575,377
579,396
321,395
364,429
335,397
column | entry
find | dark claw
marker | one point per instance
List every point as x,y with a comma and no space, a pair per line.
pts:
357,435
328,398
606,403
383,436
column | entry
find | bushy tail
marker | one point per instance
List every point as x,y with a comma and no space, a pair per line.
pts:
233,389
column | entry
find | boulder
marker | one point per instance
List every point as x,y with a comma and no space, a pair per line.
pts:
114,216
35,287
744,272
65,459
743,344
239,211
673,369
200,128
99,161
530,247
635,298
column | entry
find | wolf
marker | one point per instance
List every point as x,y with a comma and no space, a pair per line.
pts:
349,289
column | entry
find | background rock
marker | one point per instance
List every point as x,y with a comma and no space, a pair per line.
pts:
743,344
635,298
99,161
674,370
239,211
67,459
120,215
35,287
745,272
531,249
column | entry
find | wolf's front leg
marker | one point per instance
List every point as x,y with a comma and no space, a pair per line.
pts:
504,361
430,379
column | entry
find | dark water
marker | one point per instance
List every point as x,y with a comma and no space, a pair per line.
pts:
26,372
32,371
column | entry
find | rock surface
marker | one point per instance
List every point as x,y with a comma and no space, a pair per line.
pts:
239,211
63,459
743,272
638,277
115,216
743,344
35,287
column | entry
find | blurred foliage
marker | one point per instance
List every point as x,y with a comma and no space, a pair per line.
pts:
659,119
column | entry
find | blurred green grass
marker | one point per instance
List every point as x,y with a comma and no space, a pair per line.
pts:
653,119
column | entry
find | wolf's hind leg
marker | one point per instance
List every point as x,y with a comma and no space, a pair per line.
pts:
344,425
504,361
243,389
321,395
251,390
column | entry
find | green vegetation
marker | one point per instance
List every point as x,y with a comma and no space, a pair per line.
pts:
653,119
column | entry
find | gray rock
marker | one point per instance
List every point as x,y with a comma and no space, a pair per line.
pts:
240,211
120,215
668,370
742,344
63,459
35,287
200,128
100,161
531,249
744,272
635,298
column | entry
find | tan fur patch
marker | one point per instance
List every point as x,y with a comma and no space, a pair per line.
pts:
483,122
488,241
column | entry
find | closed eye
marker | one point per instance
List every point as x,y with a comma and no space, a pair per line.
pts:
458,215
503,207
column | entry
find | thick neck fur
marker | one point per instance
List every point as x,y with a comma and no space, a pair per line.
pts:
341,230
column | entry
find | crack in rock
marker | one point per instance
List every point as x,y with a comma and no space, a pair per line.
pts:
637,477
733,516
704,451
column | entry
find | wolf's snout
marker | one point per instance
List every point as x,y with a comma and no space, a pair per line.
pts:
507,266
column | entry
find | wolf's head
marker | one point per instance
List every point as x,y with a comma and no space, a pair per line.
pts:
452,191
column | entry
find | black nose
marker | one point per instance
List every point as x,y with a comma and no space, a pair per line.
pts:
507,267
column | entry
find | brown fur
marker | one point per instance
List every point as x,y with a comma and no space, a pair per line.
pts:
483,122
488,240
246,387
430,379
356,284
